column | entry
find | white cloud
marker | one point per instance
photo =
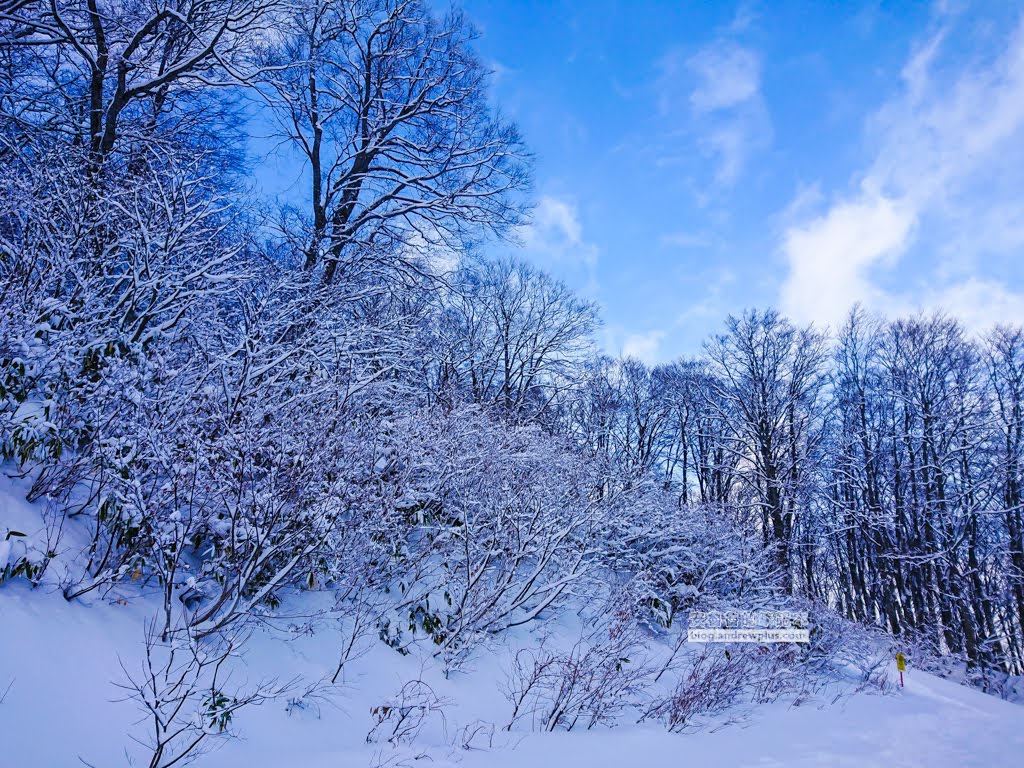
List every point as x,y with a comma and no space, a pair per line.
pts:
555,233
731,144
948,156
716,94
429,244
980,304
726,103
643,346
945,131
728,75
829,256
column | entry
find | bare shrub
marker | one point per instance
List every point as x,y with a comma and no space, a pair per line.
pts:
844,649
590,684
186,692
719,678
478,734
716,680
401,718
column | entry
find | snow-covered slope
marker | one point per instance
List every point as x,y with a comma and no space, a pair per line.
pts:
60,662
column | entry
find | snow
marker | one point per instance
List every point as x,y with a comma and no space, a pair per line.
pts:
6,551
63,705
61,661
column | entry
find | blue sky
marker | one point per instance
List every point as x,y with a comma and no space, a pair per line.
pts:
696,158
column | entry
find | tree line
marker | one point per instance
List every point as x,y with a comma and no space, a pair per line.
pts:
881,465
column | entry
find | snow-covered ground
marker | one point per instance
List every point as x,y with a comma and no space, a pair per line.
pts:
59,663
62,705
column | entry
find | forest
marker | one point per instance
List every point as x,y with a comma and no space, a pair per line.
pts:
226,400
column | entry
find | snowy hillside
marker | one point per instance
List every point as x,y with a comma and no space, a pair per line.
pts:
62,705
330,436
63,666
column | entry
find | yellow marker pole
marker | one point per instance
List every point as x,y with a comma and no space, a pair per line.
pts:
901,664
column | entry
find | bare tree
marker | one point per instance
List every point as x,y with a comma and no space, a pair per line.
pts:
644,416
1005,364
696,455
387,105
101,73
769,379
513,337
